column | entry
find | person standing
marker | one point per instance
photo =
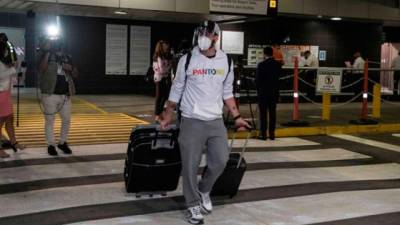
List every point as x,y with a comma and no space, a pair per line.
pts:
310,59
8,60
56,74
267,81
311,74
162,65
202,89
358,64
277,54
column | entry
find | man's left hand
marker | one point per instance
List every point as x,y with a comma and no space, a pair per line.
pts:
242,124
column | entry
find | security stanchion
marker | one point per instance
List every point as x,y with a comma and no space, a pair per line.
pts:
296,122
364,120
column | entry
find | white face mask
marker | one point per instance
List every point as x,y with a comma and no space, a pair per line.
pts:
204,43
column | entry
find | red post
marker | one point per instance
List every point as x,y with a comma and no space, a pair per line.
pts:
296,115
364,112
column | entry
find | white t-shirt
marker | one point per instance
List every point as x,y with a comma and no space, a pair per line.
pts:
359,65
5,76
312,61
203,87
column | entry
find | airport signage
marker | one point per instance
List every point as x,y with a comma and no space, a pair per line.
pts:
329,80
258,7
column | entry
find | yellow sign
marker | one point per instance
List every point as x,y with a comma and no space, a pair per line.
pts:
272,4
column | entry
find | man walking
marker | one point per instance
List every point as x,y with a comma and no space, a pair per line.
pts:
203,83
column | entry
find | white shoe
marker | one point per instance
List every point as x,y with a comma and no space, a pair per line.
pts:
195,216
206,204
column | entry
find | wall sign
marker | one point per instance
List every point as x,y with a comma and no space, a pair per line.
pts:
233,42
322,55
255,54
240,6
116,49
329,81
272,9
140,50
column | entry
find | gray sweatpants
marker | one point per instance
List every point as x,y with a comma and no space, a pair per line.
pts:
52,105
194,135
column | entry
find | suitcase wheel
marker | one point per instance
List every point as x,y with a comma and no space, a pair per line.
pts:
138,196
164,194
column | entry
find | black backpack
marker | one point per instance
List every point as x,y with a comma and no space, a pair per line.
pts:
149,77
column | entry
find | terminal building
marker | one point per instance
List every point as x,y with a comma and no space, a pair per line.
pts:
335,159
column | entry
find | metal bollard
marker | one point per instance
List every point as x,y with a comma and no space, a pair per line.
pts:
326,106
376,102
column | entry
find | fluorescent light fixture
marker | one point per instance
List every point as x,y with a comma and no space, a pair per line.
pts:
120,12
234,22
336,18
320,16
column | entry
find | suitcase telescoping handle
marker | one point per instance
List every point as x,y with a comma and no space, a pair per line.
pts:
243,148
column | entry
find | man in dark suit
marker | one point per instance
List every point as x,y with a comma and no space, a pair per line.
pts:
267,81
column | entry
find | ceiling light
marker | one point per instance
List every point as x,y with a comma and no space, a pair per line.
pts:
120,12
320,16
336,18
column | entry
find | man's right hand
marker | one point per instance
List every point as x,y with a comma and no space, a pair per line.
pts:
165,120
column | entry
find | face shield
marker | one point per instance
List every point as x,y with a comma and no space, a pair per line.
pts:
202,34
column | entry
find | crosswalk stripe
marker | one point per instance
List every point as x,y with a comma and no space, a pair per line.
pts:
294,210
368,142
109,201
275,177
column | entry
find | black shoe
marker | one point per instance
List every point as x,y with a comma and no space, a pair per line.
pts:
272,136
65,148
7,144
52,150
264,138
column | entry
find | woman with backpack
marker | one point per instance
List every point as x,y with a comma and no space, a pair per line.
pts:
162,64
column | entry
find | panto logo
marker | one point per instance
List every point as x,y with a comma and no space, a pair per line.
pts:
218,72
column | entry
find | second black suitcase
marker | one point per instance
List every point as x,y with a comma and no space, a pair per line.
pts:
153,162
228,183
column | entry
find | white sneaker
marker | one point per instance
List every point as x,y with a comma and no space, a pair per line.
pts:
206,204
195,216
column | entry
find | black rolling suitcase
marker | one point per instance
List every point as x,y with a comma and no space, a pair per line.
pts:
229,181
153,163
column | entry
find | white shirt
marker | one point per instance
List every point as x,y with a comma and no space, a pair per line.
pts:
396,63
204,85
5,76
359,64
302,61
311,61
